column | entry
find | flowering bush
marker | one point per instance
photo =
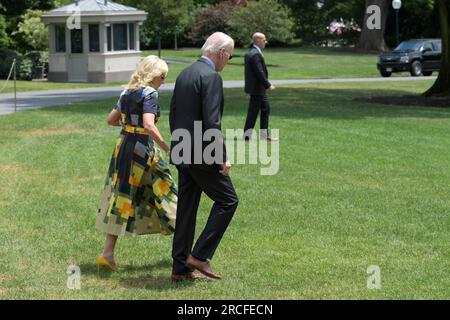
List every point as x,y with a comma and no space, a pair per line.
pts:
344,33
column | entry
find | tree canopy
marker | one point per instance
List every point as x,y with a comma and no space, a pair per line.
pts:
305,21
32,30
267,16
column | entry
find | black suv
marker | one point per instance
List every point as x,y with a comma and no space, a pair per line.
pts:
418,56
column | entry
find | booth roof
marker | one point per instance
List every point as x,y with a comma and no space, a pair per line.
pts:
92,6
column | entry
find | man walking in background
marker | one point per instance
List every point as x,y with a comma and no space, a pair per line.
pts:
256,84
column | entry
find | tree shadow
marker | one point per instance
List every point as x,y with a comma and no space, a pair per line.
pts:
333,104
293,102
322,51
242,64
408,100
89,108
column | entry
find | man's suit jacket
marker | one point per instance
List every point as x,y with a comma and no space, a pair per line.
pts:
198,96
256,75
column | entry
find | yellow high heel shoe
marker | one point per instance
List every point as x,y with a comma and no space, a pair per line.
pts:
103,263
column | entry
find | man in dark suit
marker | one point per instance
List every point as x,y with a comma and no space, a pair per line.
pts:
197,101
256,84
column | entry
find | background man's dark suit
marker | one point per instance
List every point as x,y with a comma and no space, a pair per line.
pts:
256,84
198,96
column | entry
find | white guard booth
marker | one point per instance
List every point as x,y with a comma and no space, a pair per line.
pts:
93,41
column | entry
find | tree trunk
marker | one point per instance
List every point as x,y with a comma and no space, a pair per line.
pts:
374,39
176,41
442,85
159,47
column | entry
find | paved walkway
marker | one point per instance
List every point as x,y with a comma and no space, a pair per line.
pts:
40,99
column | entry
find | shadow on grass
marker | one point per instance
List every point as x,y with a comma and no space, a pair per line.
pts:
303,103
322,51
147,281
332,104
91,268
153,283
144,278
242,64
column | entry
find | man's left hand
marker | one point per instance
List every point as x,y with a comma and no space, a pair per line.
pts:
225,168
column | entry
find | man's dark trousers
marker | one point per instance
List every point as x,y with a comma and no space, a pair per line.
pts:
192,181
257,102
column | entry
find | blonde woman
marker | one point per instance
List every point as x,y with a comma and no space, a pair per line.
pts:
140,195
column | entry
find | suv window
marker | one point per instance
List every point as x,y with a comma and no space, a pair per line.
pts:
437,46
427,46
409,45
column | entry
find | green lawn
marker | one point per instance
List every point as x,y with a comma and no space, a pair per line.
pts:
358,185
289,63
23,86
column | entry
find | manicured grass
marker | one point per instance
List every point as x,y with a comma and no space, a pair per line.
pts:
23,86
358,185
286,63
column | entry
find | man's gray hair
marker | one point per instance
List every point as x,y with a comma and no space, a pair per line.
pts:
217,41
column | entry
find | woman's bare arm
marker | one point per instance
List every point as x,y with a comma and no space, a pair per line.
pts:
152,130
114,118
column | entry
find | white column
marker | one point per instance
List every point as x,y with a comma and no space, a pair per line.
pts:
68,43
102,38
51,38
128,36
68,49
136,37
112,37
85,30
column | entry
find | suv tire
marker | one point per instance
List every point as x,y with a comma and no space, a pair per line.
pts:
416,68
385,74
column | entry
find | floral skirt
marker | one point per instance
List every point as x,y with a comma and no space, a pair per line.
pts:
140,194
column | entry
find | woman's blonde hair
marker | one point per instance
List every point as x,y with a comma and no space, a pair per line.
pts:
148,69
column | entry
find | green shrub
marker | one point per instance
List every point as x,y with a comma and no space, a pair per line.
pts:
45,55
24,67
209,19
270,17
39,59
6,58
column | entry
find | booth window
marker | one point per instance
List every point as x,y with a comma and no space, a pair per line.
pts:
94,38
120,37
60,38
108,36
76,36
